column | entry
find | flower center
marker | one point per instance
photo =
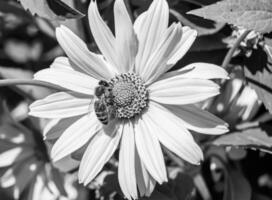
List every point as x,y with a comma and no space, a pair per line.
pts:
129,95
123,93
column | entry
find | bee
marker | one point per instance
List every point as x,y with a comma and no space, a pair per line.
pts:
103,106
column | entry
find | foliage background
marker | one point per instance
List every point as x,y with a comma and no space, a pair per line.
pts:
235,34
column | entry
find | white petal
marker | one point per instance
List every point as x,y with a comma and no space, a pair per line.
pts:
85,60
150,27
126,40
61,105
145,182
102,35
182,91
71,80
157,62
198,71
126,168
188,37
55,127
75,136
98,152
172,133
199,120
61,63
149,149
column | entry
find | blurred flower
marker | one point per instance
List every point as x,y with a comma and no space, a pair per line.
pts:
126,96
251,39
26,172
237,103
246,46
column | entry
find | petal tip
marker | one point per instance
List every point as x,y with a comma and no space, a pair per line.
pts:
80,181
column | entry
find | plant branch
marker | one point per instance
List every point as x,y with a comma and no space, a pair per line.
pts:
19,91
181,18
12,82
231,51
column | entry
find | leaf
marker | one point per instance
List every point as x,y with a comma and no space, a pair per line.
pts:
183,186
258,73
203,26
253,15
237,186
51,9
180,186
166,194
209,43
58,179
255,138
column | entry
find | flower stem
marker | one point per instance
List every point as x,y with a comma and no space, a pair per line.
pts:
231,51
11,82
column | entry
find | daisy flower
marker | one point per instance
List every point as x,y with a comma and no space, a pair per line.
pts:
126,98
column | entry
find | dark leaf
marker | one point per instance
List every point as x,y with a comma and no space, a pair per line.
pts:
257,196
156,195
59,181
253,15
209,43
183,186
236,187
258,72
255,138
51,9
203,26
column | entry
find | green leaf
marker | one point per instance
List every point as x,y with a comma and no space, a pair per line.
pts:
59,180
209,43
203,26
183,186
258,73
51,9
250,14
255,138
237,186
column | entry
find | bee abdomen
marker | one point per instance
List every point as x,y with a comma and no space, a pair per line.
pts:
102,117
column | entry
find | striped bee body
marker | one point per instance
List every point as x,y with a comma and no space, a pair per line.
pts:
101,111
103,105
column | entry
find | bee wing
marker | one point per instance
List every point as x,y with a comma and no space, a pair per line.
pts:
91,104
